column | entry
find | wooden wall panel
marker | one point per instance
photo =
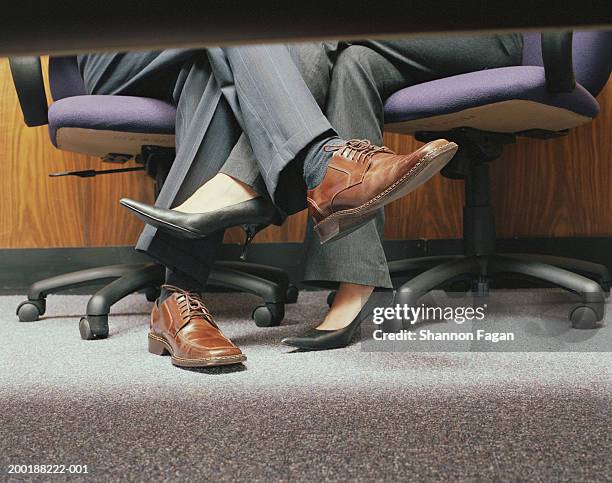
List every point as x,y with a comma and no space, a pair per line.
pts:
38,211
561,187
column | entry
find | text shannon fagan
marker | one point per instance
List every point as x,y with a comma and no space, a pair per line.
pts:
428,335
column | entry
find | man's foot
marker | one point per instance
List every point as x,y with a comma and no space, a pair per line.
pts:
182,327
361,178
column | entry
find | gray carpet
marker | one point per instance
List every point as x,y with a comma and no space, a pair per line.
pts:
335,415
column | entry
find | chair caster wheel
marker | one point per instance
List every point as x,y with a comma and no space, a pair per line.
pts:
330,298
31,310
584,317
152,293
94,327
292,294
269,315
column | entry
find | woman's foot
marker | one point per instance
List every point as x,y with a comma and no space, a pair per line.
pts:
217,193
221,203
352,304
348,302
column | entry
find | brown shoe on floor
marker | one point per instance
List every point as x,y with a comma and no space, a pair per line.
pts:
361,178
183,327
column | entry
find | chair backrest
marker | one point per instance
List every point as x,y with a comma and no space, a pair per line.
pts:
64,78
591,55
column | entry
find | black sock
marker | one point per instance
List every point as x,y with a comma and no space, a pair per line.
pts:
316,160
181,280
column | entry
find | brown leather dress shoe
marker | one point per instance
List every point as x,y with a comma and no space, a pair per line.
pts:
361,178
184,328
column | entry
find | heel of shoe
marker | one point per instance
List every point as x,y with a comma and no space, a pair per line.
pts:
251,232
327,230
157,347
332,229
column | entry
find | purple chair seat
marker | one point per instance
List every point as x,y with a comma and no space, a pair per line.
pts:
112,113
474,89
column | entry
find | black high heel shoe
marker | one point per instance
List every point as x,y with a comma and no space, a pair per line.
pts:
251,215
316,340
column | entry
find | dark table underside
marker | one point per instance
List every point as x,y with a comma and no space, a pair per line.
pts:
37,26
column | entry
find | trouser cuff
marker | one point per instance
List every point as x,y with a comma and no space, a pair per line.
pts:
330,276
182,255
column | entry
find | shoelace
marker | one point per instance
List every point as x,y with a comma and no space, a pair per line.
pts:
191,305
358,150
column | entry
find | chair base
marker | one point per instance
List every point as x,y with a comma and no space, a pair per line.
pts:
480,264
126,280
269,283
475,273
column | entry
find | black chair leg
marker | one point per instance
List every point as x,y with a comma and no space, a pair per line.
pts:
31,309
410,292
408,266
591,308
95,324
594,271
268,272
252,279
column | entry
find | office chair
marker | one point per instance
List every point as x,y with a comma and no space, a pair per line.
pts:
552,92
118,128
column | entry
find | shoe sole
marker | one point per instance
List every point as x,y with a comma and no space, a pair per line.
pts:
342,223
314,348
160,347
